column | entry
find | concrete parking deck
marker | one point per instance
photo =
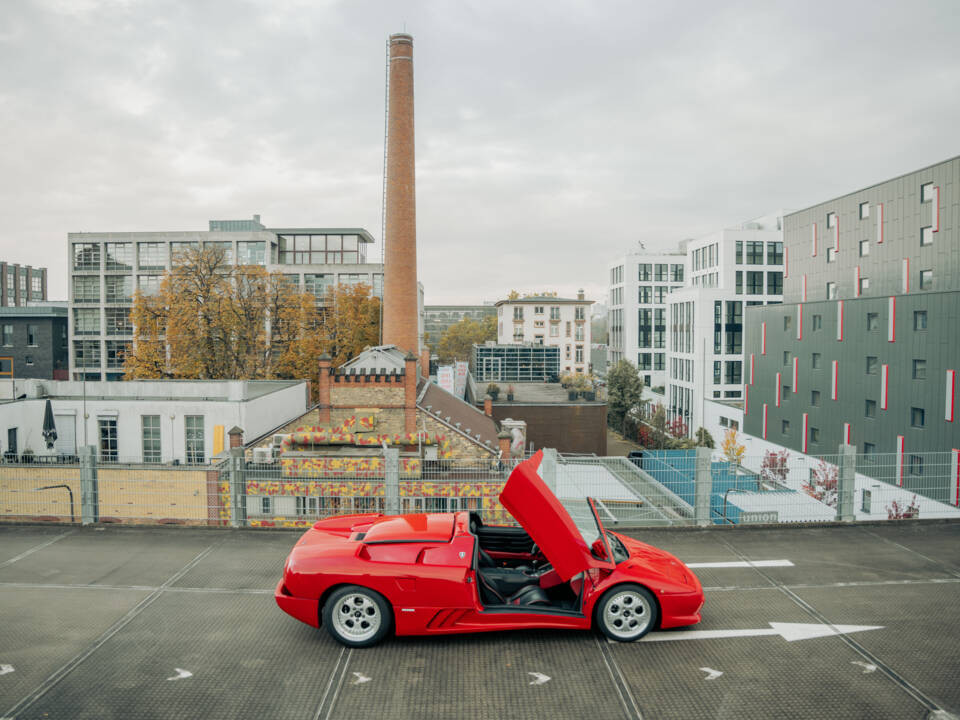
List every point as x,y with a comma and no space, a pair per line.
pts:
173,623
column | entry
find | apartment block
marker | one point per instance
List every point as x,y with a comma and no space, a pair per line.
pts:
866,348
22,284
549,320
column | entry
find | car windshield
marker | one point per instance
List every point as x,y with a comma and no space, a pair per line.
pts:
584,515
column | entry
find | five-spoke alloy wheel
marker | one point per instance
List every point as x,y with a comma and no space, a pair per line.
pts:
357,616
626,612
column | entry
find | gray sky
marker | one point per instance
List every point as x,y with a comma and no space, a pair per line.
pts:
551,135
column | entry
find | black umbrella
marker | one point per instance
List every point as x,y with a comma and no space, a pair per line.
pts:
49,427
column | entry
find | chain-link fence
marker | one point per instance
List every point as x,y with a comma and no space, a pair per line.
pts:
658,488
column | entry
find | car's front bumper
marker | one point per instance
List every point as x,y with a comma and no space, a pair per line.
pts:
303,609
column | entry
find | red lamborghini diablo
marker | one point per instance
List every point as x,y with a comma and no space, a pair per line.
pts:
364,575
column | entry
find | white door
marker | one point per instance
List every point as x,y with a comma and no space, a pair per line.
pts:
66,443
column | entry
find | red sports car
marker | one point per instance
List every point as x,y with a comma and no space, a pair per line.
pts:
364,575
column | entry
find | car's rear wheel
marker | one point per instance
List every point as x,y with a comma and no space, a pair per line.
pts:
626,612
357,616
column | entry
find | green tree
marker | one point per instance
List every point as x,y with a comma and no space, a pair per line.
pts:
624,389
704,438
658,421
458,340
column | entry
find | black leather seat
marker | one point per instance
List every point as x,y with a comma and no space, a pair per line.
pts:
531,594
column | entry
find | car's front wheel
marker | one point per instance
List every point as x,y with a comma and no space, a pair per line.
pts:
357,616
626,612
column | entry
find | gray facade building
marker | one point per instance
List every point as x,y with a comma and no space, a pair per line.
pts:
33,342
437,318
106,268
866,348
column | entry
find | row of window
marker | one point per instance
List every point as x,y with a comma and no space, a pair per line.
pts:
660,272
755,284
706,257
654,294
579,312
755,252
194,452
651,361
32,335
86,353
873,321
119,256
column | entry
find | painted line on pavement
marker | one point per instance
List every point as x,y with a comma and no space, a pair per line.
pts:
343,661
51,682
620,683
741,564
35,548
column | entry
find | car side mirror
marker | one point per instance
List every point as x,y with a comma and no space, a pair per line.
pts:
598,549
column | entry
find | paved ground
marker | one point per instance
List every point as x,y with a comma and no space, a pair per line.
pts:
618,445
96,623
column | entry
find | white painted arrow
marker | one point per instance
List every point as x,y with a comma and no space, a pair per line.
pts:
867,667
741,564
4,669
539,678
360,679
181,674
711,673
788,631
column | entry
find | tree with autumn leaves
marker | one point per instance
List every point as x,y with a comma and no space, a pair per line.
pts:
214,320
458,340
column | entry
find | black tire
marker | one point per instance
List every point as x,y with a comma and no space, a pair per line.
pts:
626,612
357,616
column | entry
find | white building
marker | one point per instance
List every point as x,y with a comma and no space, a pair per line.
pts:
639,285
106,268
546,320
729,270
153,421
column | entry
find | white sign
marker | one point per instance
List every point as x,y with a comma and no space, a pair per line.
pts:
445,377
460,369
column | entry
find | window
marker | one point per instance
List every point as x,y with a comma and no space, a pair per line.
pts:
676,273
919,369
817,323
251,253
786,357
539,324
660,293
869,451
119,256
916,465
865,248
568,328
28,359
117,321
660,272
754,253
108,439
733,372
717,372
831,291
645,272
86,289
926,279
579,354
224,249
774,283
193,439
555,313
774,253
36,286
86,256
538,309
873,365
645,295
864,210
318,285
916,417
86,353
926,235
538,339
870,409
784,427
785,391
926,192
873,321
578,333
378,285
352,278
149,284
831,254
579,313
151,255
518,312
739,282
754,283
815,361
117,353
31,335
659,361
150,434
554,331
787,322
864,285
518,334
831,219
179,248
266,506
814,435
118,288
739,257
644,361
815,398
8,335
920,320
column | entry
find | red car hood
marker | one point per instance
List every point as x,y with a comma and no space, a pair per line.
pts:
550,526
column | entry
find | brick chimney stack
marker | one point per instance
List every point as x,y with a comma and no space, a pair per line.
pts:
400,312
